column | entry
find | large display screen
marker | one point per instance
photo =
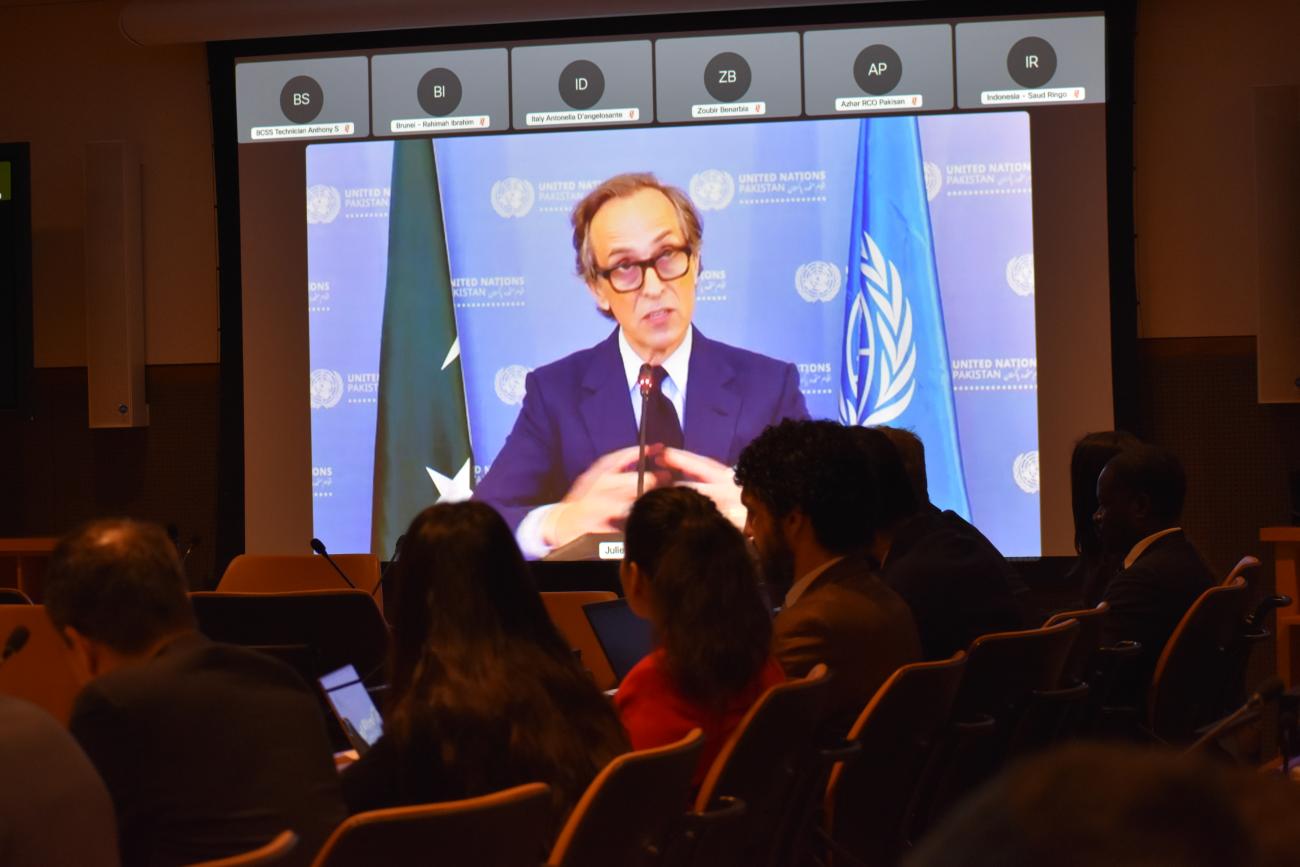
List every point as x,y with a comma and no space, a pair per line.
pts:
900,225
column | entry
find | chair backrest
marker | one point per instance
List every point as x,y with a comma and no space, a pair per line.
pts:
316,631
565,610
272,853
869,798
42,671
13,596
628,811
1086,642
761,764
1003,670
1188,682
287,573
1248,568
504,829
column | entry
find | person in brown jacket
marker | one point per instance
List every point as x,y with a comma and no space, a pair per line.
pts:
810,498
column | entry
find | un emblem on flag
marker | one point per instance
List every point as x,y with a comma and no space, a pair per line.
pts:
509,384
712,189
1020,274
323,203
817,281
933,180
1025,471
326,388
512,197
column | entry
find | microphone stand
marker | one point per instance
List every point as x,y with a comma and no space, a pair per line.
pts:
319,547
646,381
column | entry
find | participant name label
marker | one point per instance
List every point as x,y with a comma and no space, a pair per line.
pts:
1024,97
728,109
305,130
441,124
582,116
610,550
891,102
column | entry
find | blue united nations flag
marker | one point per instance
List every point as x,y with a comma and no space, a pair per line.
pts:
895,365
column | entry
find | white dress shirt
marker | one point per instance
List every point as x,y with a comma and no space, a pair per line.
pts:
677,366
1140,548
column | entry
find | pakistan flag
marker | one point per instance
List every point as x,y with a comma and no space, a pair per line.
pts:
422,447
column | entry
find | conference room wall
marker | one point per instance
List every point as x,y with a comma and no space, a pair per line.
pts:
81,80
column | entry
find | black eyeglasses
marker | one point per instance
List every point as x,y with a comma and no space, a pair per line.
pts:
669,264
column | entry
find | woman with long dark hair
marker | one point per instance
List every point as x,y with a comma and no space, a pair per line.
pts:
687,570
484,692
1095,566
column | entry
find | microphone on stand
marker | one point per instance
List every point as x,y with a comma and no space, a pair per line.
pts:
645,380
397,552
1269,690
15,642
319,547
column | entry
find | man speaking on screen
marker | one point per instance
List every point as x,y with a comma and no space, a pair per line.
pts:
568,467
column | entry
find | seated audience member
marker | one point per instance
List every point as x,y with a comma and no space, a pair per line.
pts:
484,692
806,487
207,750
1140,500
1120,806
1094,567
53,807
687,570
958,585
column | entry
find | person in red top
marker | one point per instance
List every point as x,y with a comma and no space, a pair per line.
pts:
686,570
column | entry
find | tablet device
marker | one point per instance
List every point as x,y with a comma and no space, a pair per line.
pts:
624,637
354,708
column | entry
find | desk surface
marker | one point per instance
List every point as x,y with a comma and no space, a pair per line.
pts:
33,545
1279,534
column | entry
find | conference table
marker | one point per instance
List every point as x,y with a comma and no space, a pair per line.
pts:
1286,553
22,563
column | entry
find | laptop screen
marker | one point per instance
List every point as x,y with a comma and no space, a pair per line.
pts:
624,637
351,702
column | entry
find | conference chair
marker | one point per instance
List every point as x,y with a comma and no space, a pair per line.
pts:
315,631
1190,675
1005,673
1091,666
869,799
271,854
287,573
41,672
565,611
1247,567
627,813
770,753
13,596
505,829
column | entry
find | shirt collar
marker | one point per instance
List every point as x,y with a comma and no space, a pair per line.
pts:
1140,548
676,365
801,586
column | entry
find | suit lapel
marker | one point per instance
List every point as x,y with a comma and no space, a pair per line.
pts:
712,401
605,405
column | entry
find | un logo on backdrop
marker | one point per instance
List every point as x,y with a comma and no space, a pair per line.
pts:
326,388
512,197
323,203
1025,471
509,384
817,281
1020,274
712,189
933,180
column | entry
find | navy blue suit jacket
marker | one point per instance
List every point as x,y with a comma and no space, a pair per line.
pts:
579,408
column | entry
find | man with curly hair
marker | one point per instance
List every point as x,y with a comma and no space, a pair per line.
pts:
811,501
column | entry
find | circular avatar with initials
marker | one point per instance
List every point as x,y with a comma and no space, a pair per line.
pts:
582,84
727,77
439,92
877,69
1032,62
301,99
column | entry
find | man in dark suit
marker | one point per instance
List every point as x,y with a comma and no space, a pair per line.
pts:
810,498
1140,497
569,465
207,750
958,585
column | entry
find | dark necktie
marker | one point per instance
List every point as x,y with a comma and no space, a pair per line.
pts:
661,422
